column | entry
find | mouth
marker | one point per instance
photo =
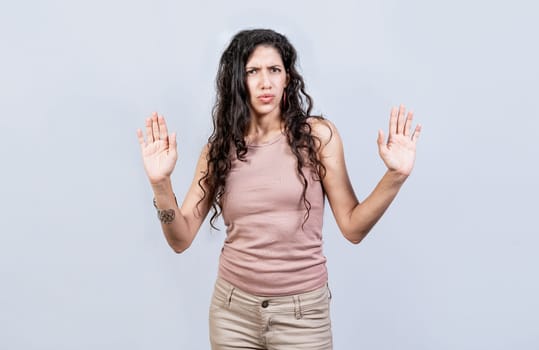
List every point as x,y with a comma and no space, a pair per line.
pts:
266,98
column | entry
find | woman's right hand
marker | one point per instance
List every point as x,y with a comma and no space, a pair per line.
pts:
159,152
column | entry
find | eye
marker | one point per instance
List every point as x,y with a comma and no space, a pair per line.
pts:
275,69
251,71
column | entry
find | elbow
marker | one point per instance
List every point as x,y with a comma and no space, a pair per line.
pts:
355,241
179,248
355,237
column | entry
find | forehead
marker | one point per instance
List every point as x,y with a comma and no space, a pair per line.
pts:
265,55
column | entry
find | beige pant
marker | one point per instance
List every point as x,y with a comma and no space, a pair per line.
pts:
239,320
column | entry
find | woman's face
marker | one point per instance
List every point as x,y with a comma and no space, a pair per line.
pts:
266,79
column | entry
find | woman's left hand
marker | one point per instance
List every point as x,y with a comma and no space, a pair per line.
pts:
398,153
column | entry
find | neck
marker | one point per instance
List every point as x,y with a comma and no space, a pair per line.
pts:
262,128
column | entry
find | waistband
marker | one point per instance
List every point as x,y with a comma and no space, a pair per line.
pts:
225,292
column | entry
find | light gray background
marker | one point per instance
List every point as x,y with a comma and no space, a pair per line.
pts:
452,265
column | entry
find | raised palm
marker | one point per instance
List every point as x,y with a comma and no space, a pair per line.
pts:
398,153
159,152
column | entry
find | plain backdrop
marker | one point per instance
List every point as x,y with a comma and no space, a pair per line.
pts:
453,264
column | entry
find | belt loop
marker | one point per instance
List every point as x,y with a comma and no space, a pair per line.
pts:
229,300
297,307
300,308
329,291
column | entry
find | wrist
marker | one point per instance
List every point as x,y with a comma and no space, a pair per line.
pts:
162,186
396,176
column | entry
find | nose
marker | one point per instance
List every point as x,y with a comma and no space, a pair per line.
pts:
265,80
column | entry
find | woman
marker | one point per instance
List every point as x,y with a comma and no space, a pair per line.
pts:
267,168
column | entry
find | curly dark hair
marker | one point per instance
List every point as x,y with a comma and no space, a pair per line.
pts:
231,115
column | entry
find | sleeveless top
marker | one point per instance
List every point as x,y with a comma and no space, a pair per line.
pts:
267,251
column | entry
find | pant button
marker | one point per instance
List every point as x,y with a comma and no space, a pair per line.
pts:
265,304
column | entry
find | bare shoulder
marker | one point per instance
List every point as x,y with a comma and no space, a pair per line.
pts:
205,150
324,130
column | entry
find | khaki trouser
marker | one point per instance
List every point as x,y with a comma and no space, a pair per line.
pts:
239,320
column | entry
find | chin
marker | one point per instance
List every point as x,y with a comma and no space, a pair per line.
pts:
268,110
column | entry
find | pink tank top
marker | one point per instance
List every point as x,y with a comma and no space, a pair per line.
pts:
266,251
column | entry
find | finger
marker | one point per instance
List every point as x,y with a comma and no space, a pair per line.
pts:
163,132
408,124
401,119
140,137
380,139
149,133
417,132
155,127
393,121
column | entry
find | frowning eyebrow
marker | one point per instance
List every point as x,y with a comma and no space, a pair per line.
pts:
258,67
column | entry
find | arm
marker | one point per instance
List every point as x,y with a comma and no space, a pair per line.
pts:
356,219
159,155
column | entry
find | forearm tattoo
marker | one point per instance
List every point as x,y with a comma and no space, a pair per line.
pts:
166,216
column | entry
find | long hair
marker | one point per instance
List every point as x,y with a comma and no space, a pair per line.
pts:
231,115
